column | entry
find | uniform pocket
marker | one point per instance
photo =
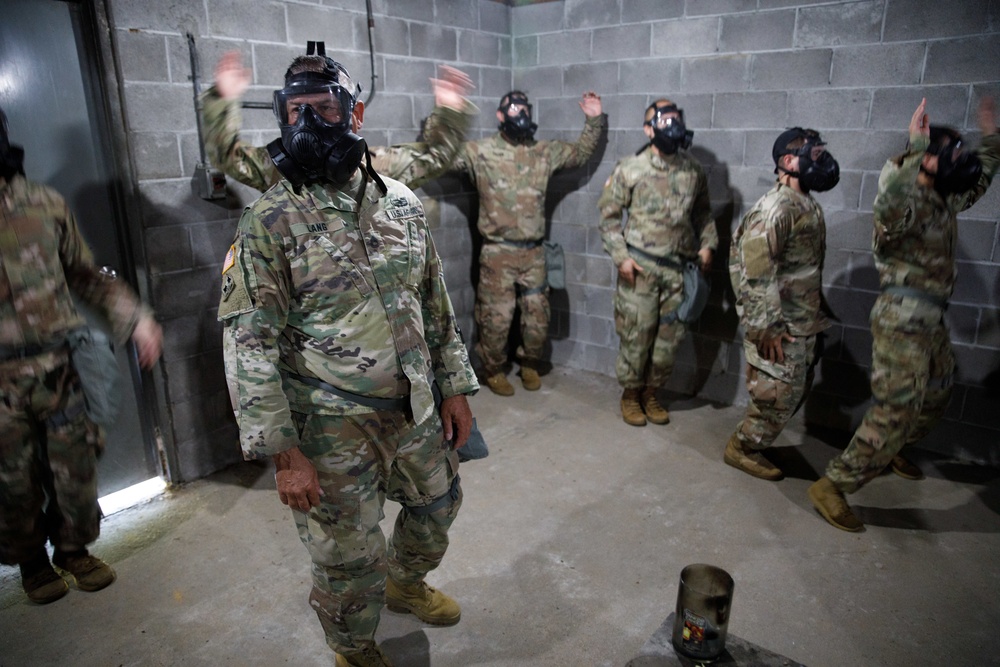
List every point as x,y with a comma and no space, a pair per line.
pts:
327,280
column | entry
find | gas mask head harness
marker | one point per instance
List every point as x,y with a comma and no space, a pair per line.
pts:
669,131
958,168
516,124
818,171
314,111
11,155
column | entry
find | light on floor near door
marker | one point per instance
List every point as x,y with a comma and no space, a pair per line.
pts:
133,495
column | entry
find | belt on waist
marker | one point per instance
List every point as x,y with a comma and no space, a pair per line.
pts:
518,244
916,294
10,353
677,264
397,404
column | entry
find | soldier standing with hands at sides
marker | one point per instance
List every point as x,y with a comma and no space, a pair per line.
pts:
776,267
511,172
920,193
338,331
48,445
414,164
665,192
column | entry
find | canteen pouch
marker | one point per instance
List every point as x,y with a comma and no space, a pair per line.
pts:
555,265
93,357
696,291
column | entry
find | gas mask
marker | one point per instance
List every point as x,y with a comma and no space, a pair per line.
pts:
11,155
314,112
669,131
818,171
958,169
518,127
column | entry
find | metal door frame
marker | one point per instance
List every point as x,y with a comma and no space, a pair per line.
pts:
103,82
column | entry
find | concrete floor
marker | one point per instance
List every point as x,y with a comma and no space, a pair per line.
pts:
567,552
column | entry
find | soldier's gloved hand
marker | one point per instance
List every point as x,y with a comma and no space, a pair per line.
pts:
231,78
456,420
297,480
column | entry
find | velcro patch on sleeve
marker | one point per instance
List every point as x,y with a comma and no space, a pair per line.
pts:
756,257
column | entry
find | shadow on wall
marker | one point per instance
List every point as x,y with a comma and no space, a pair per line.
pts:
717,331
186,240
842,379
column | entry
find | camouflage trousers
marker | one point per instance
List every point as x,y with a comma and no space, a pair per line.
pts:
913,368
777,391
361,460
648,342
48,459
509,276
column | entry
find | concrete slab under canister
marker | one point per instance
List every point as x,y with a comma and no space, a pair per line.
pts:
659,652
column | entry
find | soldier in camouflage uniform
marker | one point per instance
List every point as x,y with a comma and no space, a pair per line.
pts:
414,164
665,192
48,446
919,195
511,171
776,267
337,327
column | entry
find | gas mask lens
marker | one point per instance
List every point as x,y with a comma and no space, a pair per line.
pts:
331,104
665,121
516,109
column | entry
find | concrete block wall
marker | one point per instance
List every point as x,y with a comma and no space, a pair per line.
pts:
743,71
186,238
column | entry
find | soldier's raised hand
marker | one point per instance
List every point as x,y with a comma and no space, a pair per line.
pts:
591,104
452,88
919,124
987,116
231,78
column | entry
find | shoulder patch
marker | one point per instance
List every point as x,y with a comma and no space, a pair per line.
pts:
237,296
230,259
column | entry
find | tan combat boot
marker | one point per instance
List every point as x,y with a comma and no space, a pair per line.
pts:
529,376
906,468
370,656
655,412
632,409
40,581
91,573
498,384
425,602
749,461
829,501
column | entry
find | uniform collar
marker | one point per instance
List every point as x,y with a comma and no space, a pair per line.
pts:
661,162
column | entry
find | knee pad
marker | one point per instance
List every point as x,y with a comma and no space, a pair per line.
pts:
446,500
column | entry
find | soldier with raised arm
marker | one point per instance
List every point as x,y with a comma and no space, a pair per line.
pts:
413,164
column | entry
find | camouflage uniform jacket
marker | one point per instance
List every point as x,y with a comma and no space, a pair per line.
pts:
318,286
414,164
43,257
669,214
776,266
512,179
916,230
